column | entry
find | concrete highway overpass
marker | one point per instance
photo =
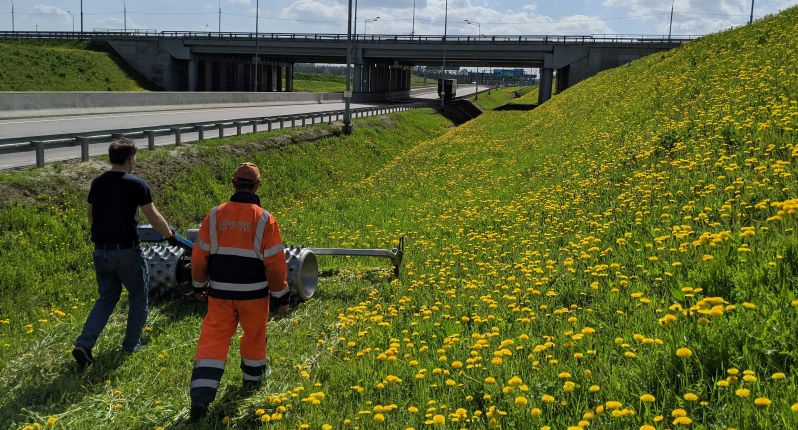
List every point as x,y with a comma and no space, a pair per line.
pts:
213,61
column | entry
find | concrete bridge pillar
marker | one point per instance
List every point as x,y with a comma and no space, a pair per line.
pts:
289,77
192,74
208,86
563,78
546,78
373,78
278,71
357,80
268,78
222,76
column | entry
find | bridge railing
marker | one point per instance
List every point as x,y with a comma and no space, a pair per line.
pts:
361,38
42,143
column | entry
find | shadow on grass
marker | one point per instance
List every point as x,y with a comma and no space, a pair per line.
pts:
68,387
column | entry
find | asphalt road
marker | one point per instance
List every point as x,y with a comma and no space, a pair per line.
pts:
87,123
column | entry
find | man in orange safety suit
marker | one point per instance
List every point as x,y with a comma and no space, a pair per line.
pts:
237,263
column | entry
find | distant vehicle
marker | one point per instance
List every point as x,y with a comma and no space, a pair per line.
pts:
447,88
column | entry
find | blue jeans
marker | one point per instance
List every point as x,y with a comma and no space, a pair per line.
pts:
116,268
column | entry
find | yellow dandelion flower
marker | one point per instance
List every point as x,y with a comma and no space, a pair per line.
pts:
762,402
684,353
647,398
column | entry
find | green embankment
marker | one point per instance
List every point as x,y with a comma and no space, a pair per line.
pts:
623,256
60,66
500,96
317,82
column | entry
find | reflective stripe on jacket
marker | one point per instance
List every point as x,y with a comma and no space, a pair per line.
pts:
239,251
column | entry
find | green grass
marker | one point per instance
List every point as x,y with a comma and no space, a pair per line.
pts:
60,66
419,81
557,261
500,96
317,82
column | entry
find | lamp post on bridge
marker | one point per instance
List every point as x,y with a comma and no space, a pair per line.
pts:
13,28
81,16
257,59
347,129
73,20
124,12
366,23
220,17
670,26
479,27
413,30
443,63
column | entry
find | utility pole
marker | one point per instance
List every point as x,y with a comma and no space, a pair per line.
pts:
443,63
413,31
257,60
347,129
124,9
751,19
13,28
220,17
81,16
670,27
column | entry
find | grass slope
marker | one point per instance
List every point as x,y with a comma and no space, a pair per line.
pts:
500,96
623,256
62,66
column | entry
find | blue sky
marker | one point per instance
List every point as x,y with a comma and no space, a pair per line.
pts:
329,16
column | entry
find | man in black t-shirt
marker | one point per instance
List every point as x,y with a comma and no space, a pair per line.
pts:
114,201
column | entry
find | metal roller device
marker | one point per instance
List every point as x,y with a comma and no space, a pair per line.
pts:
170,265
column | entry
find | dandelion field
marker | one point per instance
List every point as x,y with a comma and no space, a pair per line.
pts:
624,256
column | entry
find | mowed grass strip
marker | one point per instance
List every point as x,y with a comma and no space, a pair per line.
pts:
623,256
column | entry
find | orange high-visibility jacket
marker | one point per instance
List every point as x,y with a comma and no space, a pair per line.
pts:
239,252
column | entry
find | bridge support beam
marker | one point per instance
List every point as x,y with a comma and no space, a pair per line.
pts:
278,86
563,78
546,78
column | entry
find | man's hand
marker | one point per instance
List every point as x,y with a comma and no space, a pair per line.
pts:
201,295
172,240
283,310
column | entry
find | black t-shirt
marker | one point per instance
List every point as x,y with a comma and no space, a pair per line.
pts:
115,198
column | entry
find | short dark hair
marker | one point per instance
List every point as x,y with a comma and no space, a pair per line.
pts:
244,186
120,150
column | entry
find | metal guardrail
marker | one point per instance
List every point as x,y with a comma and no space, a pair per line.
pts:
376,38
40,144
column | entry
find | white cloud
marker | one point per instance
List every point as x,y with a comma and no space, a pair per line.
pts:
51,12
695,16
430,16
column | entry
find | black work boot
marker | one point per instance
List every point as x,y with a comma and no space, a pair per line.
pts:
198,412
82,357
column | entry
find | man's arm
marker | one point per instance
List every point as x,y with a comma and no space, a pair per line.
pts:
275,265
156,219
199,260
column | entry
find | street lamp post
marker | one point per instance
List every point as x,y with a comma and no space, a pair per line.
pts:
413,31
443,63
220,16
13,28
257,60
347,129
73,20
479,27
367,21
751,19
81,16
124,13
670,26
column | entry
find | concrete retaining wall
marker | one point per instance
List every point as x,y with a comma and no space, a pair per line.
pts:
41,104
